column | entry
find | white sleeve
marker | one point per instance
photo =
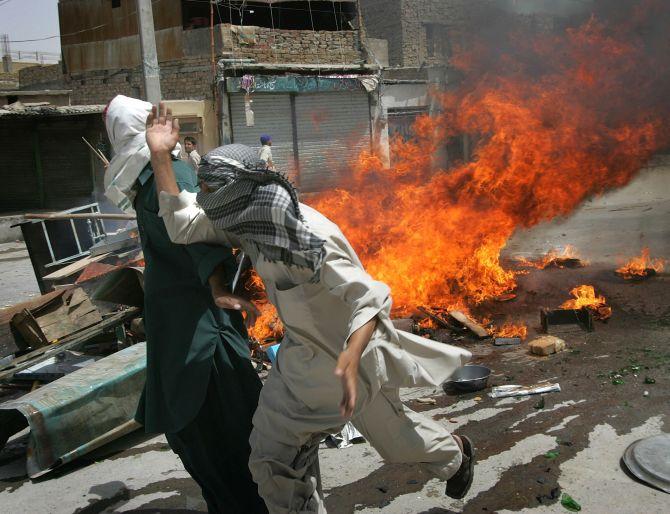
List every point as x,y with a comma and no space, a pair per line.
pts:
186,221
367,298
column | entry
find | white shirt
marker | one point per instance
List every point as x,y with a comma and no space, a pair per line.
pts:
320,317
265,154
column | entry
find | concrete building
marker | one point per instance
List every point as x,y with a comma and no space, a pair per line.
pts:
304,60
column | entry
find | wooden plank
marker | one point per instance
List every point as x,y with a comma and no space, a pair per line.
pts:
437,319
471,325
69,343
73,268
78,216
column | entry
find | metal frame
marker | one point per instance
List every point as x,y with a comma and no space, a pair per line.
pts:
96,230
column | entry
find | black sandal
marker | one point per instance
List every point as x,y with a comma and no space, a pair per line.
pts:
459,485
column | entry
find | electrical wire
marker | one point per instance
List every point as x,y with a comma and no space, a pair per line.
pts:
77,32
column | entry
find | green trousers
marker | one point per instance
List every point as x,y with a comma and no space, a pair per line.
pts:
214,446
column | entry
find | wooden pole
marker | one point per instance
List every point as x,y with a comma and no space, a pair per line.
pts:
96,152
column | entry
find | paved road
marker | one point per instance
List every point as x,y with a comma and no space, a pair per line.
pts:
590,422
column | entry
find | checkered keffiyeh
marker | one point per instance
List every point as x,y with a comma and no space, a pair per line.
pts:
258,205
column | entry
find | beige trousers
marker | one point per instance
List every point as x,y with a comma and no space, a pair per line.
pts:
287,432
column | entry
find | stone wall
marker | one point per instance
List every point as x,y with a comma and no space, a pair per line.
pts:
291,46
186,79
381,20
9,81
48,76
448,18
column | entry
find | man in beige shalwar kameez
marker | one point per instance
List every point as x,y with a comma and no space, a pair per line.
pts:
324,316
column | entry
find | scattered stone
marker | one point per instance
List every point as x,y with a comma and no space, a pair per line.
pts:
546,345
540,404
645,394
477,398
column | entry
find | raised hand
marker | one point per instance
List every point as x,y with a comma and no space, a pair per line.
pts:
162,130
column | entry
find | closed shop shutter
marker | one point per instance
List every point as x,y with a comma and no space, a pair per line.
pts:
20,190
333,128
272,115
66,163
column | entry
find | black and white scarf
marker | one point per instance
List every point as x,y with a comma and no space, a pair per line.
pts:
259,206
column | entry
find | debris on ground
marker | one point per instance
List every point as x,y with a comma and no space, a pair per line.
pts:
519,390
585,297
546,345
641,267
647,459
347,437
470,324
507,341
570,503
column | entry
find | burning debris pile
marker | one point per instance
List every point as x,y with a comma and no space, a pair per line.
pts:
585,298
641,267
555,121
556,258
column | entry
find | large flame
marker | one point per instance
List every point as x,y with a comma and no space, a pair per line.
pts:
557,120
641,266
586,297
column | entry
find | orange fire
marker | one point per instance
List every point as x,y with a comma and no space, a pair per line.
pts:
268,325
554,121
585,297
556,257
510,330
641,266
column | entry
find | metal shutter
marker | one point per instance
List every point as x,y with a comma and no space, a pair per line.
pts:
333,128
66,163
272,115
20,189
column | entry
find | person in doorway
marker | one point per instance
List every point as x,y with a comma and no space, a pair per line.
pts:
265,152
341,357
201,388
191,149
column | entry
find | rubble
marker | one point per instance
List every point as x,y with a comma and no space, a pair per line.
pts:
546,345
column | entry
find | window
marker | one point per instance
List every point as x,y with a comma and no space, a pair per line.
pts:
116,3
430,40
437,41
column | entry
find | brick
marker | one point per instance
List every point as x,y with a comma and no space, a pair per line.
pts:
546,345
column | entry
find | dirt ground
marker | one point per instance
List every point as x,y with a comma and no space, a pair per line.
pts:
586,426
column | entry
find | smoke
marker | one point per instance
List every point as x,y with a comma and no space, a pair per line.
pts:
560,109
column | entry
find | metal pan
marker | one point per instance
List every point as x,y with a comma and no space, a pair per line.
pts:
470,378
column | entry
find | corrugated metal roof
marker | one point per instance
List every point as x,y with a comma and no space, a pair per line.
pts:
50,110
